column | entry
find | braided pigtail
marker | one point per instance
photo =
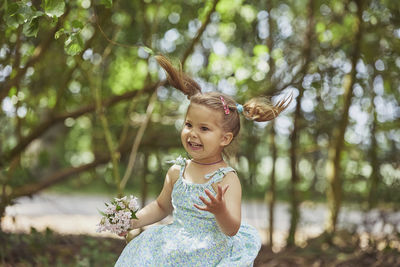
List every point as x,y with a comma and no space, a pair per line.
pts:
178,79
261,108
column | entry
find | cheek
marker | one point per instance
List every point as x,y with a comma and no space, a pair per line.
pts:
183,134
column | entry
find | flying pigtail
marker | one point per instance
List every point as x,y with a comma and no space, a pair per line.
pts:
177,78
261,108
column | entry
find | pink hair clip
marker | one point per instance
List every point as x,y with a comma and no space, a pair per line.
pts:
226,109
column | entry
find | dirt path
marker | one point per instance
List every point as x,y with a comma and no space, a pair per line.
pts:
78,214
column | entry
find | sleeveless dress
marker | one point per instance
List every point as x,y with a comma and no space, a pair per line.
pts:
193,238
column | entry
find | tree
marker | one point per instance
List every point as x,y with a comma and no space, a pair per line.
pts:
57,56
334,192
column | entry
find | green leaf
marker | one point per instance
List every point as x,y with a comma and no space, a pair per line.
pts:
59,33
54,7
258,50
73,45
148,50
13,91
106,3
14,17
30,13
31,28
12,8
320,27
77,24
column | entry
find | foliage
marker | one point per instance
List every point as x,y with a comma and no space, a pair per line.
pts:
345,251
55,56
51,249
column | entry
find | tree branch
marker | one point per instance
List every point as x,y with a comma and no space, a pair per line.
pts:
96,85
150,107
68,76
37,54
203,27
32,188
298,77
61,175
44,126
138,139
270,43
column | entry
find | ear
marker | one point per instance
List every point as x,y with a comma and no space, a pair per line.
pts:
226,139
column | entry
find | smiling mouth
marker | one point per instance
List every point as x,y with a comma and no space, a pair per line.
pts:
194,145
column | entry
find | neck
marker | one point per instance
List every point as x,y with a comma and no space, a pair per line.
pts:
207,163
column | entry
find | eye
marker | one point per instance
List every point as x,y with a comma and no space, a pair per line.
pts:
204,128
187,124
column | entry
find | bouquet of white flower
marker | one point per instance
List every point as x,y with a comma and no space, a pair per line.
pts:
118,214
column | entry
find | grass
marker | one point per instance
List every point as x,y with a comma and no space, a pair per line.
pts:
51,249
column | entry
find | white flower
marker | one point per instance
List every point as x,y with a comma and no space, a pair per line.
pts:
118,221
110,209
133,204
120,199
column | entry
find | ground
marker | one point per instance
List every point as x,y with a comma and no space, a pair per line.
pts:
51,249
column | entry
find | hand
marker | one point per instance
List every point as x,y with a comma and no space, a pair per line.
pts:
132,226
123,234
216,203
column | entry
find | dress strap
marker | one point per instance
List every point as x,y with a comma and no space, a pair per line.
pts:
181,162
219,174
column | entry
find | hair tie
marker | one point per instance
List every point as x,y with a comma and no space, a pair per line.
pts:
239,108
226,109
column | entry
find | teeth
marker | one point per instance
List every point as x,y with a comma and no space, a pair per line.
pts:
194,144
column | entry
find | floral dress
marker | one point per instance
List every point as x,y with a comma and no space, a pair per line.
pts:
193,238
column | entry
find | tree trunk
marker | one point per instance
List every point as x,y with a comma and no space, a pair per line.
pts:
294,194
374,178
334,191
271,193
144,190
252,157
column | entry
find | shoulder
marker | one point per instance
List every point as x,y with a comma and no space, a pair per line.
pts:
173,173
234,191
230,178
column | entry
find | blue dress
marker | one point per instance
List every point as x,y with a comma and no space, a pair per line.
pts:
193,238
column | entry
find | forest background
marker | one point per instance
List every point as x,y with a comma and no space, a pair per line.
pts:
85,107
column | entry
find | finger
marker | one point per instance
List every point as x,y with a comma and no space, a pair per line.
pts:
219,195
123,234
225,189
211,196
207,203
200,208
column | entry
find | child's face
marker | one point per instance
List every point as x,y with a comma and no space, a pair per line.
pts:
202,135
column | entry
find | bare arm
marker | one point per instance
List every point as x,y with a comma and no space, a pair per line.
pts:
162,206
226,205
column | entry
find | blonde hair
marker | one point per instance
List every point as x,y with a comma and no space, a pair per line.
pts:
257,109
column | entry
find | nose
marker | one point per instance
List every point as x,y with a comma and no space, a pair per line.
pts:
192,133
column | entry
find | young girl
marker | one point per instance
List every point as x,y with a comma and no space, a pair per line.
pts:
203,193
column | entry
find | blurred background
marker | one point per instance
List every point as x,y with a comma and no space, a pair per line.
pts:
86,115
